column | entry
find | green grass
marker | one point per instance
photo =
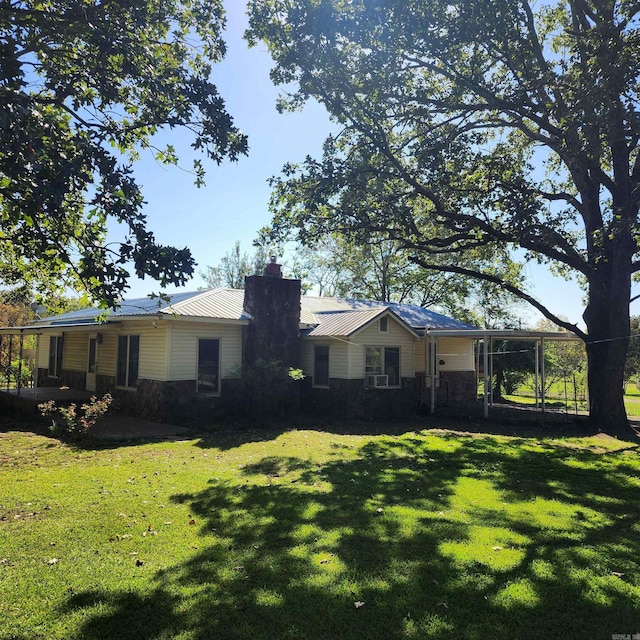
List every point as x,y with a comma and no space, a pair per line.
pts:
631,403
278,536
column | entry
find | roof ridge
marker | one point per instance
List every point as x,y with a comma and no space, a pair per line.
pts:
377,309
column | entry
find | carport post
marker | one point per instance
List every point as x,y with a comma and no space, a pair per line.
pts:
542,374
19,380
537,371
35,377
491,370
485,363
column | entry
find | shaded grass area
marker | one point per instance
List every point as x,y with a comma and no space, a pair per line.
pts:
306,534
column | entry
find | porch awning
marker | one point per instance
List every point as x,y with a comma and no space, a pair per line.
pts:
34,330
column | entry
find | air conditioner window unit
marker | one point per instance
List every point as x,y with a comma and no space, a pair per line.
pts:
377,380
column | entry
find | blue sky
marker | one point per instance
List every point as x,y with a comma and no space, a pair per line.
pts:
234,203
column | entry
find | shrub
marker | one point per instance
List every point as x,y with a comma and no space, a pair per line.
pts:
67,421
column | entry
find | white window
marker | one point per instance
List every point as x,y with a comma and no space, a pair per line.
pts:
208,366
382,366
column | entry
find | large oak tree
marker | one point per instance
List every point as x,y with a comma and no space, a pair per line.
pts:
84,87
489,123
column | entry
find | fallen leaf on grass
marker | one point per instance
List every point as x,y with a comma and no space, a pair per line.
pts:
497,548
619,574
192,521
53,561
139,563
443,604
358,603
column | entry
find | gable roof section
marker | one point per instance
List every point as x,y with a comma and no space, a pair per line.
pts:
346,323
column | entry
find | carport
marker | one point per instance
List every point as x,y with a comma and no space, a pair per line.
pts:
484,339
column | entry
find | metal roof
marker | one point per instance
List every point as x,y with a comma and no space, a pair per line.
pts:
413,315
344,323
220,303
227,304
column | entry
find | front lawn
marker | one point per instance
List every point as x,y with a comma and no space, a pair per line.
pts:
308,534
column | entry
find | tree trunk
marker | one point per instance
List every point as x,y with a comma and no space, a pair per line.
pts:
607,320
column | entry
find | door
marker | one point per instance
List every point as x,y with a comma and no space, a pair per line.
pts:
90,383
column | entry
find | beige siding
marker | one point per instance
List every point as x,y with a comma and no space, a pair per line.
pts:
108,353
396,336
183,340
153,349
338,357
43,352
75,351
457,354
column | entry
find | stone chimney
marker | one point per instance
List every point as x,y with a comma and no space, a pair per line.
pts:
273,304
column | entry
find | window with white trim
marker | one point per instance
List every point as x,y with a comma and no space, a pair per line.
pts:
321,365
55,356
382,366
128,361
208,380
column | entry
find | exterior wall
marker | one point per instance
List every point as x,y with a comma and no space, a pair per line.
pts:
72,379
108,354
457,354
183,349
75,351
396,336
43,352
350,399
75,355
338,357
153,348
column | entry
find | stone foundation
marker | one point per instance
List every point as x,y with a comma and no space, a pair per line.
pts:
350,399
72,379
44,380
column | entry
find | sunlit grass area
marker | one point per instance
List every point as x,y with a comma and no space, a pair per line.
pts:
308,534
631,403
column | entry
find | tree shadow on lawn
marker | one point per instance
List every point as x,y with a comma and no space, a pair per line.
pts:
438,537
